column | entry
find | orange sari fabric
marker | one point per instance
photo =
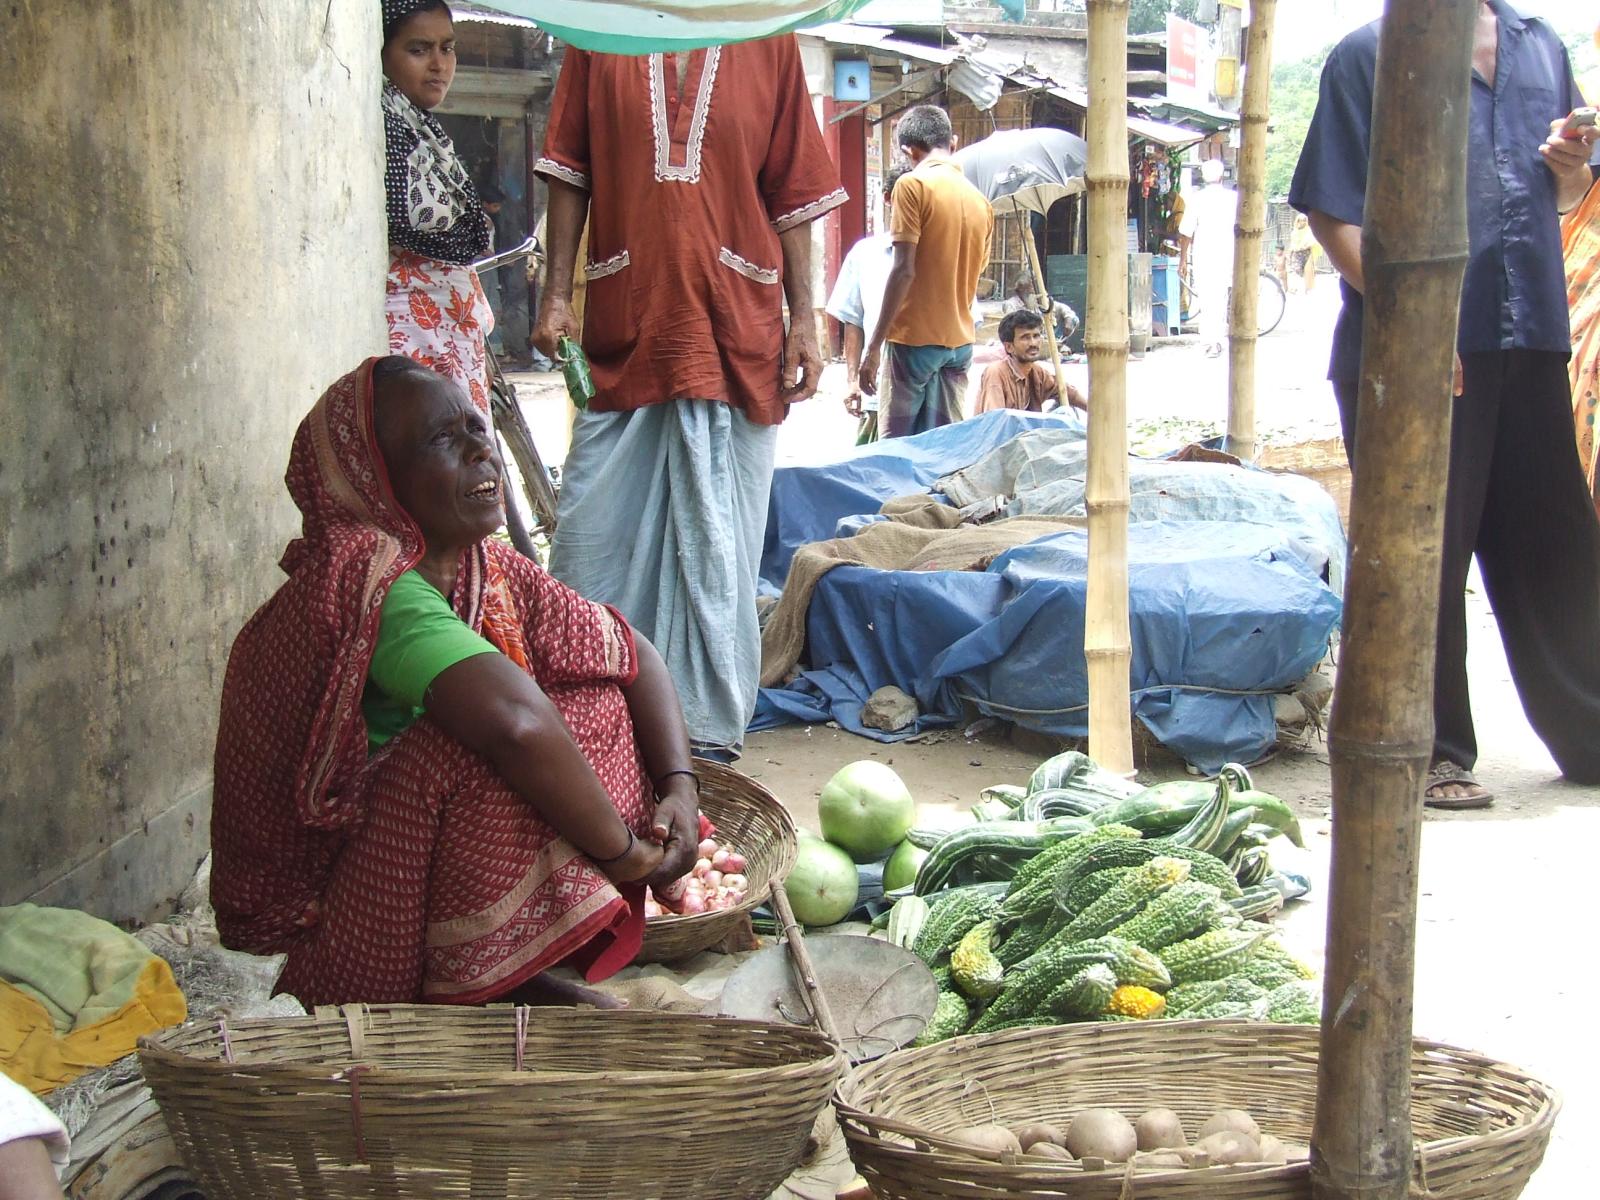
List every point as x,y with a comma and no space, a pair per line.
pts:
1580,243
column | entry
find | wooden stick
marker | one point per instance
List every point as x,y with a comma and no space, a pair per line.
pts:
800,961
1244,319
1414,249
1049,317
1106,644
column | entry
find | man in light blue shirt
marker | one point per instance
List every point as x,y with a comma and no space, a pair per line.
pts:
856,300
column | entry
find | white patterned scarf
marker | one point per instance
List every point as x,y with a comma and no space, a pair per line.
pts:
433,208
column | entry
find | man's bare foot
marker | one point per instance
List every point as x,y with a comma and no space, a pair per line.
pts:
1452,786
547,989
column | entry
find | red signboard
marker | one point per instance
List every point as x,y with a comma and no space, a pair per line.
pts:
1183,51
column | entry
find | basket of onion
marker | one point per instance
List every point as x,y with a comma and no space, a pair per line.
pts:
748,844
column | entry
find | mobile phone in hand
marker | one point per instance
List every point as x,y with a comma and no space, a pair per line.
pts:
1577,121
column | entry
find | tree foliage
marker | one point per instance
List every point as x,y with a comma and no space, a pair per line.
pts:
1150,16
1293,100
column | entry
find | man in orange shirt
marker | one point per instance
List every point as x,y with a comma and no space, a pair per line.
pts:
940,227
1020,380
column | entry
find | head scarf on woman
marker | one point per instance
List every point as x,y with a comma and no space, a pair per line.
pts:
292,738
433,207
416,872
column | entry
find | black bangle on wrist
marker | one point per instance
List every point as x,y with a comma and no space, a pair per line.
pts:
618,858
663,778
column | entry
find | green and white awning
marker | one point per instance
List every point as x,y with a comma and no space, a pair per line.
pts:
648,26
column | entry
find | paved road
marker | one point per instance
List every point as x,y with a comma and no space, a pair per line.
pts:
1175,393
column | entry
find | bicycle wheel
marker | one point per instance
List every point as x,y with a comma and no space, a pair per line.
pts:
1270,302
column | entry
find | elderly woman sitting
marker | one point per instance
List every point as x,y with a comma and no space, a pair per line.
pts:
439,772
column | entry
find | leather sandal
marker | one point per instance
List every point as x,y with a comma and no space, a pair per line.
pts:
1443,773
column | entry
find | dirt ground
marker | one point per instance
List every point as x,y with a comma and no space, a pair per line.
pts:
1504,942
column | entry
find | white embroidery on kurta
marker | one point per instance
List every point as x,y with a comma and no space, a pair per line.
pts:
549,166
747,268
809,212
689,172
609,266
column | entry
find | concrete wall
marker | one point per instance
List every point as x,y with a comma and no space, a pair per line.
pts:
191,248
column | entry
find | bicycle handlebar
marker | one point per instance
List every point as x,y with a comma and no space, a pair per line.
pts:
529,248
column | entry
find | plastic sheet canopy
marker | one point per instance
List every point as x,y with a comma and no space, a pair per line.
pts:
649,26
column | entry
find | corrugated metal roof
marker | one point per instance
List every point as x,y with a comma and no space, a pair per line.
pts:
1212,117
1167,135
487,15
878,39
874,37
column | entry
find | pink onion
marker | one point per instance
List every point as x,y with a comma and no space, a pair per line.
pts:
735,881
719,859
713,878
735,862
694,902
701,866
708,847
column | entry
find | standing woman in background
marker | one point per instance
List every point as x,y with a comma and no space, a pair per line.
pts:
1580,243
434,304
1580,247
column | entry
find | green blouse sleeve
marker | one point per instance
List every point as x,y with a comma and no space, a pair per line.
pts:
419,637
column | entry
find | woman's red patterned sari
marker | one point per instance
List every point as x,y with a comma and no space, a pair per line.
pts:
416,873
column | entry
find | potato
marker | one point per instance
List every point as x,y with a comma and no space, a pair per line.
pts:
1230,1118
1040,1131
1102,1133
1229,1146
988,1139
1051,1151
1271,1149
1159,1129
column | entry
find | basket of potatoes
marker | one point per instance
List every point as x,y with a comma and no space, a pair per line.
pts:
1169,1110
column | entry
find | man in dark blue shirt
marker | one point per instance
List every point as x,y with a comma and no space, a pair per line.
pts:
1516,495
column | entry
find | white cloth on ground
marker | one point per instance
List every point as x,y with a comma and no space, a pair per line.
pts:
663,515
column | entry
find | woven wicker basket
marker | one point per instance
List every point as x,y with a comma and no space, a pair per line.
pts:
433,1101
1481,1126
749,820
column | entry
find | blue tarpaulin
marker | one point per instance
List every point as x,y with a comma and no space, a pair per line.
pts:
809,502
1223,613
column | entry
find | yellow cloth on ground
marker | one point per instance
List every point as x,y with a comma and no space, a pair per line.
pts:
76,993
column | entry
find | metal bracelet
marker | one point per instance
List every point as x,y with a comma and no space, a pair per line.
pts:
658,782
618,858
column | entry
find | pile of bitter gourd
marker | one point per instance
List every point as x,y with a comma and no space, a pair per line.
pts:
1083,897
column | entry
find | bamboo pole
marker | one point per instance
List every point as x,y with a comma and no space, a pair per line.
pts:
1106,645
1049,317
1414,249
1243,318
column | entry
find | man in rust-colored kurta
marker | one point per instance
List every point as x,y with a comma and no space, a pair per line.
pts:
699,174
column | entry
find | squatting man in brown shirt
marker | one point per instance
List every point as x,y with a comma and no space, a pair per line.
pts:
1020,380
